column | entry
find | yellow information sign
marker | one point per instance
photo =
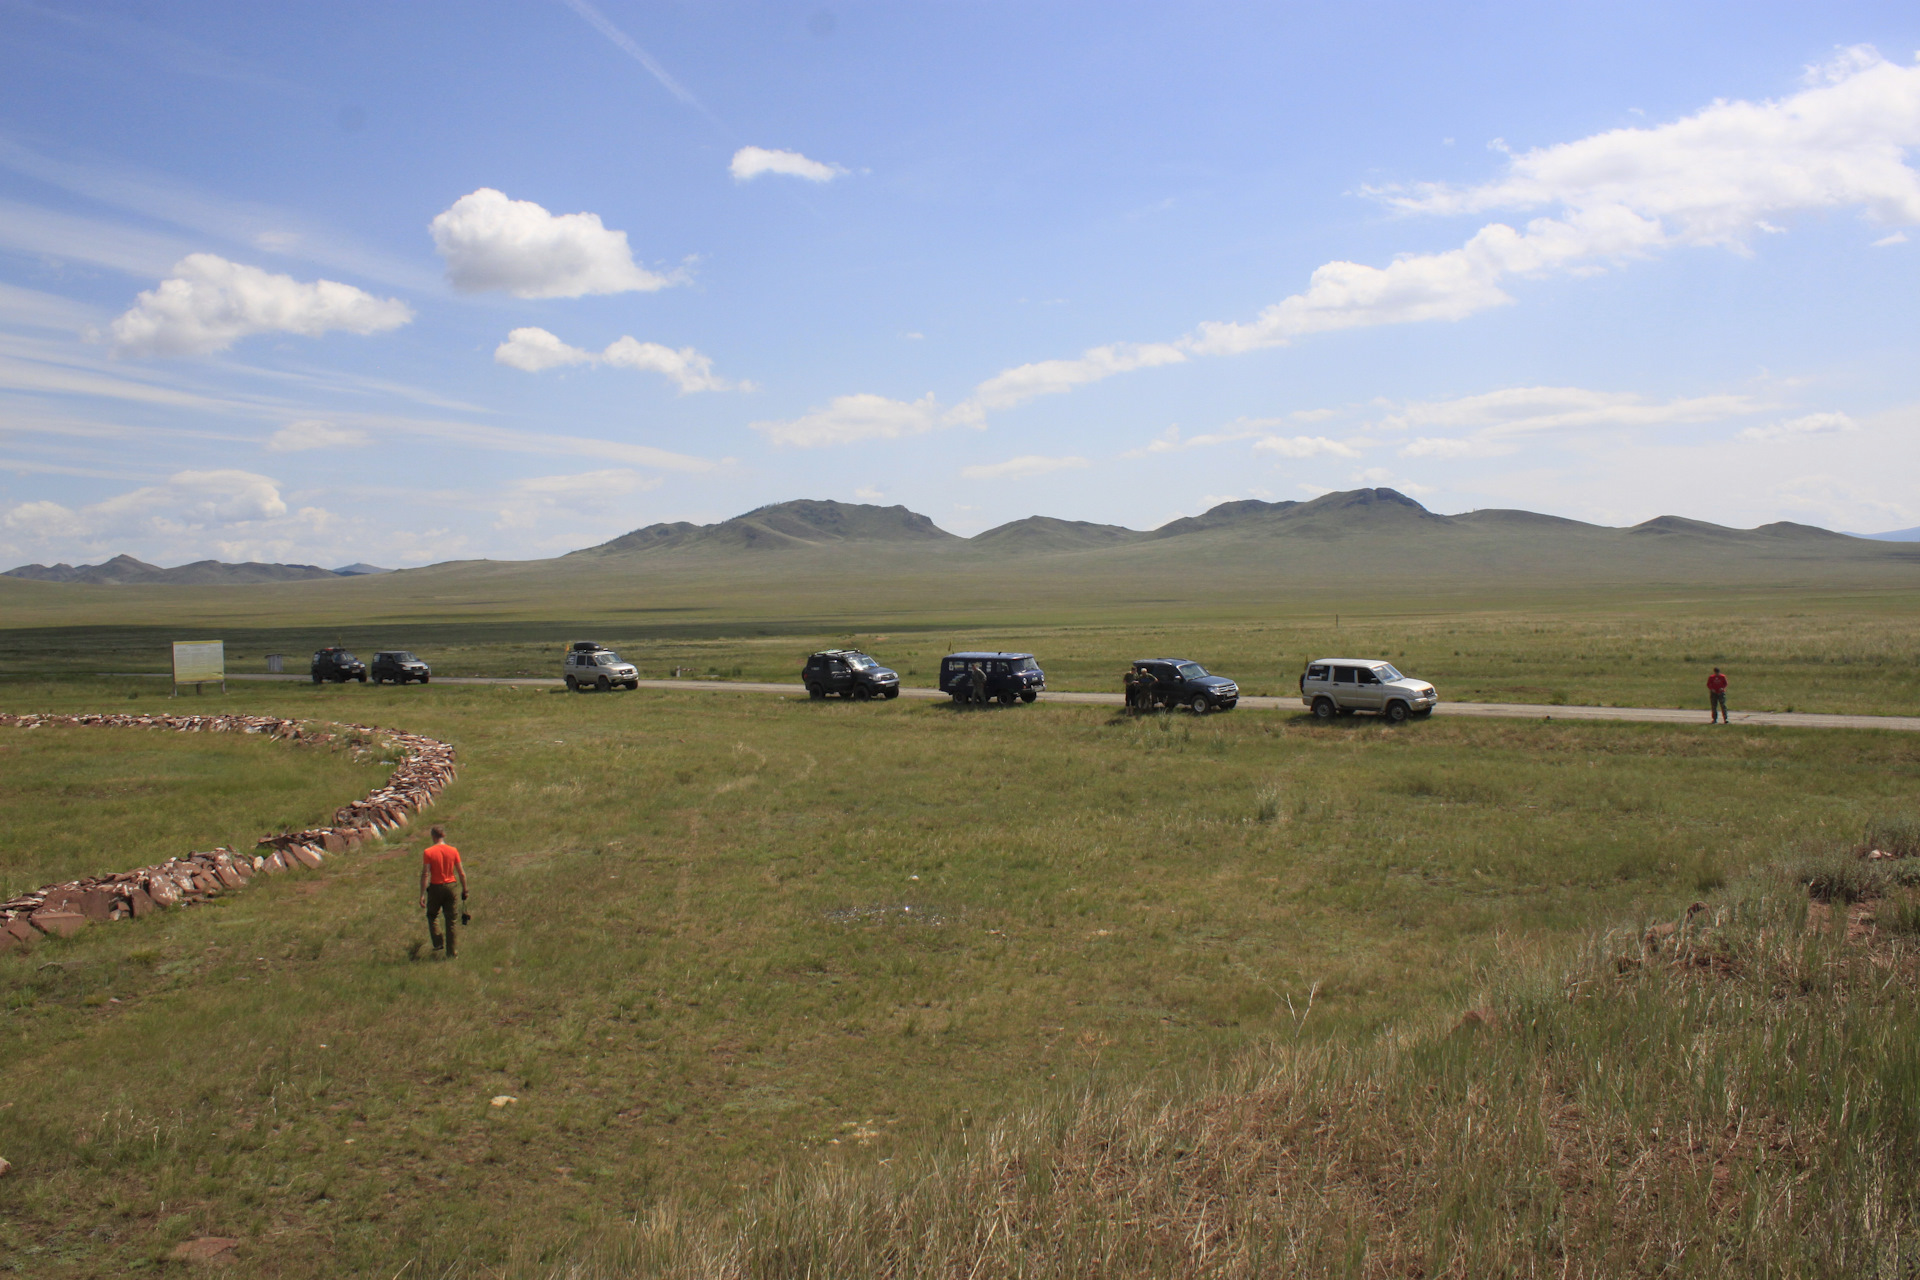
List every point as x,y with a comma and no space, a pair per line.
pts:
198,662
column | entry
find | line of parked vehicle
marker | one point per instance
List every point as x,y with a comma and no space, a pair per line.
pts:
390,666
1329,686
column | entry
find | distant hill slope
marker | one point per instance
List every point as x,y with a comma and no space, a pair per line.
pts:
125,571
1045,533
802,523
1896,535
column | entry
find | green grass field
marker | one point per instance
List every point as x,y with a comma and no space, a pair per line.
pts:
72,808
725,940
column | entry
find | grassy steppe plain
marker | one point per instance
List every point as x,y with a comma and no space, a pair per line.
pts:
722,936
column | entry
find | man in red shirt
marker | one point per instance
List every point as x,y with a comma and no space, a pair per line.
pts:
440,868
1716,697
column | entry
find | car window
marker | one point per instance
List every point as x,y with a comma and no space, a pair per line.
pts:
1343,675
1317,673
1387,671
1366,676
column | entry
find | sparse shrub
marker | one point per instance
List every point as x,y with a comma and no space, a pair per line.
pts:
1269,802
1900,913
1898,836
1840,876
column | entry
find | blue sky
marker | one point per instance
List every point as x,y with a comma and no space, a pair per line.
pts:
404,283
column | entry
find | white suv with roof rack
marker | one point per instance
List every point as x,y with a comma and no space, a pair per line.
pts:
1342,686
593,666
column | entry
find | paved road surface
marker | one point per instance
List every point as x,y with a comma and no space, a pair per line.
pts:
1500,710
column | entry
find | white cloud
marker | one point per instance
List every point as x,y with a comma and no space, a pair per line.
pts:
1812,424
188,502
1886,242
32,309
210,303
1713,178
1305,447
869,494
850,419
1498,420
1021,468
514,246
312,433
751,162
1049,377
534,350
532,500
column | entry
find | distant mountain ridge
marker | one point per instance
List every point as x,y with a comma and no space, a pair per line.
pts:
1247,531
124,571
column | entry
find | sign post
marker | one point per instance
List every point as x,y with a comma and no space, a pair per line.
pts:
198,662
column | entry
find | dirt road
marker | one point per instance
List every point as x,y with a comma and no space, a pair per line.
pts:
1500,710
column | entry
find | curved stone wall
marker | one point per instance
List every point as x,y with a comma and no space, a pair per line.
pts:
426,767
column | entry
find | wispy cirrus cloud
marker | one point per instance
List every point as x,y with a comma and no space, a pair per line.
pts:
1024,467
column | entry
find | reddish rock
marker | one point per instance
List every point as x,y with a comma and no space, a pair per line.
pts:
164,891
228,876
306,855
140,902
63,922
333,842
97,905
18,929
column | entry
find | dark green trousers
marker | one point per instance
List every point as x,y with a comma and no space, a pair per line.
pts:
442,900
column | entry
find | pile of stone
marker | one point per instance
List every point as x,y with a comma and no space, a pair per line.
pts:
425,768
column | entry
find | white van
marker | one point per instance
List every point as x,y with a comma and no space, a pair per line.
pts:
1342,686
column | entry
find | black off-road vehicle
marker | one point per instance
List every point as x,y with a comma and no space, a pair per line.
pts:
338,666
849,673
399,666
1176,682
1011,677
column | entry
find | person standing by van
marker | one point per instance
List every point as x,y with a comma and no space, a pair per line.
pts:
1716,698
440,869
977,678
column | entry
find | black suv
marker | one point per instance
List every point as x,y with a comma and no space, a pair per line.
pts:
1011,677
338,666
399,666
1175,682
849,673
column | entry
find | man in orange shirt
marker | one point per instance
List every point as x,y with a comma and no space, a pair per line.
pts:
440,868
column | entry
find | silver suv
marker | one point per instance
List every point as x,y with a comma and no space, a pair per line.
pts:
1342,686
589,666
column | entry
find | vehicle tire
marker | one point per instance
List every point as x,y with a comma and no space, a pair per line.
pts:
860,693
424,679
1396,712
959,698
1199,706
1008,698
815,691
1323,709
362,679
893,692
316,679
603,684
1028,695
573,686
633,686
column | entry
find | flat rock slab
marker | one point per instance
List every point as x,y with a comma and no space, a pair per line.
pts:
62,922
205,1249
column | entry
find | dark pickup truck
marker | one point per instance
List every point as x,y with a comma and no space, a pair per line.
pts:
338,666
1176,682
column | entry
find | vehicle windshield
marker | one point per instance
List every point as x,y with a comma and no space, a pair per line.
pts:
1192,671
344,657
1386,672
403,656
607,658
1026,664
860,661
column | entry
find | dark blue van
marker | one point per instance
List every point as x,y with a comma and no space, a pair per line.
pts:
1011,677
